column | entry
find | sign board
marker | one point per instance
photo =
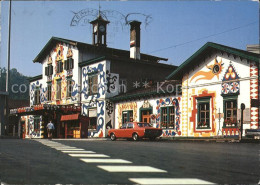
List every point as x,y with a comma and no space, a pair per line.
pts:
92,113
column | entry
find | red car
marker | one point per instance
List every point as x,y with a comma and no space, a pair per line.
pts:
135,130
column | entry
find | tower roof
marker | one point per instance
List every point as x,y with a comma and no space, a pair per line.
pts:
99,19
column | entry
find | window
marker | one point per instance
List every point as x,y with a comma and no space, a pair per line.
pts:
92,114
123,126
58,90
37,99
59,66
230,112
48,70
69,64
130,125
203,113
49,86
36,123
69,87
122,86
93,84
168,117
127,116
92,123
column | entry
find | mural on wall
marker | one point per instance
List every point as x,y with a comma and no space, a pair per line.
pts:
34,86
109,113
124,107
111,82
254,94
33,132
93,100
214,70
227,86
169,102
59,50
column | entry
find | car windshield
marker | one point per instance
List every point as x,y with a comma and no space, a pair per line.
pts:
144,125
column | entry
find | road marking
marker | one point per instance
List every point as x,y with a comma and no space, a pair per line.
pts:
168,181
88,155
63,147
131,169
105,161
75,151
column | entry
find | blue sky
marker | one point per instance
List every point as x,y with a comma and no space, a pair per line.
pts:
170,23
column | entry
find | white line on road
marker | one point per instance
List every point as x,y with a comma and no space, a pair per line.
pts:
131,169
105,160
75,151
88,155
168,181
62,147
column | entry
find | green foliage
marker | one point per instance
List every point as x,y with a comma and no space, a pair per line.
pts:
16,80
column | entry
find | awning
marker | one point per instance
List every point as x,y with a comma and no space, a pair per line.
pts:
69,117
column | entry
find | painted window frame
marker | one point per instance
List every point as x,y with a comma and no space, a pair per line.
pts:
37,96
128,112
59,66
201,101
229,98
37,121
69,64
168,108
144,109
90,82
49,70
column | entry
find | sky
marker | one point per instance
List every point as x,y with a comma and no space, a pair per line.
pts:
170,29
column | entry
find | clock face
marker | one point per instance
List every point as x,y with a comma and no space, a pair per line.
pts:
95,28
102,28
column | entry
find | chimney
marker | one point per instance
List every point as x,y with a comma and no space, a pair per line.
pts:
135,40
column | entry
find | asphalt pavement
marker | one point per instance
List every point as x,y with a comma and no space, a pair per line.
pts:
127,162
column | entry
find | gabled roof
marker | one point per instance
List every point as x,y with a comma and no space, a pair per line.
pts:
105,50
124,59
210,47
35,78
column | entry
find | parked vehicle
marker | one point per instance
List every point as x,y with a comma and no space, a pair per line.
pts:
253,133
136,131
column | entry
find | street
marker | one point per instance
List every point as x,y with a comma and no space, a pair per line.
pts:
127,162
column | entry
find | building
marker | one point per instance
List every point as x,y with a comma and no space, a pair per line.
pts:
79,78
215,81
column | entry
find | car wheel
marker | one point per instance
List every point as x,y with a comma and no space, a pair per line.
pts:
135,137
112,137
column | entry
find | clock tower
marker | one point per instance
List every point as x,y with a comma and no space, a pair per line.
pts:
99,31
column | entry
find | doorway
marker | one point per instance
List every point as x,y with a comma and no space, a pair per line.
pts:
145,115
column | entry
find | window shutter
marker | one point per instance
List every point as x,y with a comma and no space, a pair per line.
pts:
51,70
61,66
71,63
66,65
46,71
